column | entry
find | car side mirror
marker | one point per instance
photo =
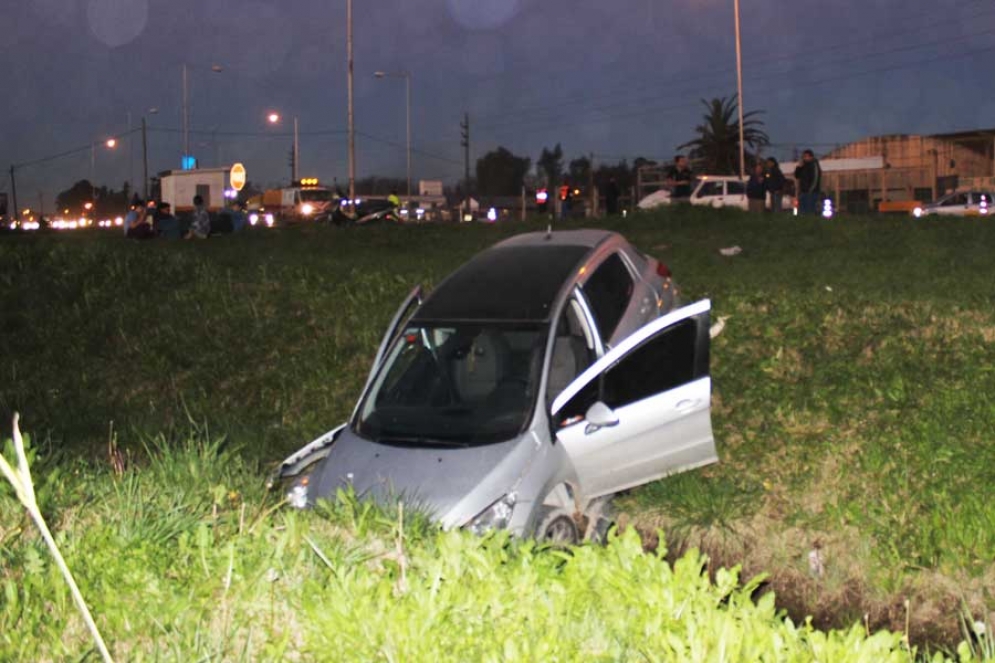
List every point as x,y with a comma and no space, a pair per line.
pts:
599,416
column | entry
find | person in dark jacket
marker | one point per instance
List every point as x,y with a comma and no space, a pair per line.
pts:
809,176
775,184
612,193
679,179
756,189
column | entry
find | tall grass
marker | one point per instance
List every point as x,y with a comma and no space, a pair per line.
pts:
852,383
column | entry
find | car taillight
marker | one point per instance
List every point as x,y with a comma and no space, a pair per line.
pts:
663,270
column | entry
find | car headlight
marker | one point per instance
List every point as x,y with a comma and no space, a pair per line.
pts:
496,516
307,208
917,212
297,495
269,220
253,218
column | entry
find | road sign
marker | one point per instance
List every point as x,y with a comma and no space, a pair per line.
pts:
237,176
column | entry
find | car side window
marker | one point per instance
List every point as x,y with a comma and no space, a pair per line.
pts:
735,188
959,199
608,291
710,189
661,363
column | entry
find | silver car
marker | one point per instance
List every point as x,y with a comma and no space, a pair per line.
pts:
545,375
960,203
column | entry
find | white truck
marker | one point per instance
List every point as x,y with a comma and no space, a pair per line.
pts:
178,188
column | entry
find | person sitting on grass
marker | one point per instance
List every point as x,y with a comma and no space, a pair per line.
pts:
142,227
200,227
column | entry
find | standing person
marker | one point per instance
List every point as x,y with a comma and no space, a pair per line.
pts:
679,180
200,227
612,193
775,184
132,217
809,176
756,189
565,196
393,199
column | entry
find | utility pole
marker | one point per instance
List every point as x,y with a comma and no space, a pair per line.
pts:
465,142
13,192
145,161
739,81
352,132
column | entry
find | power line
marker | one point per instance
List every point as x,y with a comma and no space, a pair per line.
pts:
754,76
774,59
67,153
547,123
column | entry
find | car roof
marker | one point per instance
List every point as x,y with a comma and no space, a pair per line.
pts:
516,280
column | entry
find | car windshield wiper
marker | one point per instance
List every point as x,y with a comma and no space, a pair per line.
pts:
415,441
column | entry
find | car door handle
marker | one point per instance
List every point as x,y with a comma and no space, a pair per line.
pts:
687,404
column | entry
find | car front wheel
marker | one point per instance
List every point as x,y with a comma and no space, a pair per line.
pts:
557,527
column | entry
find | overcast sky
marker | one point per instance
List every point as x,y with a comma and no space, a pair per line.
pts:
617,78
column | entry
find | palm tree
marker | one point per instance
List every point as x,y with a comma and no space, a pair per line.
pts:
717,144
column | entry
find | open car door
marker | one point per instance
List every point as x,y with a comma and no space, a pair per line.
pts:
404,313
642,411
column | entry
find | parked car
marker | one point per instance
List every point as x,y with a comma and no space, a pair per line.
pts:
713,191
545,375
959,203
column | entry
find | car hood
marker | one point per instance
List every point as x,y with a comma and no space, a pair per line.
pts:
451,485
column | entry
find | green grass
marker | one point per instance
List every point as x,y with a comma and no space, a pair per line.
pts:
853,383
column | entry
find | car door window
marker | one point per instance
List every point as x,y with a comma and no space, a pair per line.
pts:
664,362
735,188
573,350
608,291
959,199
710,189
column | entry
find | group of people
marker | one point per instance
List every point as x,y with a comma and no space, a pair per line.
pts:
151,220
765,179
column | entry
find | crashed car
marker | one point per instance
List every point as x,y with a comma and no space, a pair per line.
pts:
545,375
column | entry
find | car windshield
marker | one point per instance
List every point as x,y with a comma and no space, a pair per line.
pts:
462,383
317,195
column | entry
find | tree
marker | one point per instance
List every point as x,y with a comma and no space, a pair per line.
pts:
501,173
717,144
75,197
551,165
580,171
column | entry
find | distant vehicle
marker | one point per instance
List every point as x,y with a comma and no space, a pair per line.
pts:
367,211
713,191
959,203
305,201
548,373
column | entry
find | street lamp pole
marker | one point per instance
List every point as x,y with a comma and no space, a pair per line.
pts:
216,68
297,153
406,75
739,83
186,114
407,85
352,133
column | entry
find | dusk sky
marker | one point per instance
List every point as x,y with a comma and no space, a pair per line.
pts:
617,78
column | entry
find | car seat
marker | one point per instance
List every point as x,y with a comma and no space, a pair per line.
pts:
479,372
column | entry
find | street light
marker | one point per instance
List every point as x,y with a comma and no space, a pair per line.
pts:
110,143
407,85
216,68
145,154
274,118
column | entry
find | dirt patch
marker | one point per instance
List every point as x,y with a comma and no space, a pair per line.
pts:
927,609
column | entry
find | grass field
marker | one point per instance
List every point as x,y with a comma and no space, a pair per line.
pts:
854,392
